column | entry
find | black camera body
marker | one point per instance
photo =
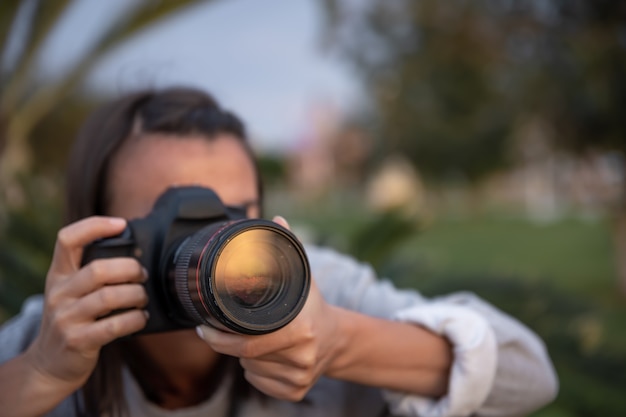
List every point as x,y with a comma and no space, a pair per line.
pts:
208,264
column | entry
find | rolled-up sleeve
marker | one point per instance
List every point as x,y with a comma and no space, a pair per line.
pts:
500,367
474,364
525,377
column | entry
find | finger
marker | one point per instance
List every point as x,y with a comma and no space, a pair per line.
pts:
71,240
221,342
107,299
281,221
244,346
296,357
287,374
106,330
102,272
275,388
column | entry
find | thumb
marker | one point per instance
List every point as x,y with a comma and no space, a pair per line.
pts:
281,221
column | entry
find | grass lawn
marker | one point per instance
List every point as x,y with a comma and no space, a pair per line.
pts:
572,254
558,277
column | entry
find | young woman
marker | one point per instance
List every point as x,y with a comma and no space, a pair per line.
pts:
359,347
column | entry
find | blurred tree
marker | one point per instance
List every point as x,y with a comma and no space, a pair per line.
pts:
576,82
27,243
449,82
28,230
38,118
433,71
25,96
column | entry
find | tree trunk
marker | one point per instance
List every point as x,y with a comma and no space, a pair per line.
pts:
619,230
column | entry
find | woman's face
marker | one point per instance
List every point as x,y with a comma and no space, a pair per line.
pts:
146,167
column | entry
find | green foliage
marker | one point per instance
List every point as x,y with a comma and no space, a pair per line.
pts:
556,277
273,169
571,253
449,85
578,331
449,82
572,72
38,119
7,11
27,237
378,239
431,81
25,99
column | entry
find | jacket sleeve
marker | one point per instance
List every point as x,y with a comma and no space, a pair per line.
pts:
500,367
18,332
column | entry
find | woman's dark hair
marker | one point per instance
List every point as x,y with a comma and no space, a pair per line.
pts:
177,111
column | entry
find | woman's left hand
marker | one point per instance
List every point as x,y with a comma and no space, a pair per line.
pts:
285,364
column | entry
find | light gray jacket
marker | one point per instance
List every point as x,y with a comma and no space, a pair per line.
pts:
500,367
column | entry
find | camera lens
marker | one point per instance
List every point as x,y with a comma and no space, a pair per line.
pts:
252,268
249,276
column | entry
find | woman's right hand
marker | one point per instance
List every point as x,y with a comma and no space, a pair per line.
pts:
75,323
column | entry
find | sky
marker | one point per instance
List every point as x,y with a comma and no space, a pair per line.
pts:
262,59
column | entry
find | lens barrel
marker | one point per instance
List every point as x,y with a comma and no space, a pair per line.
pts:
249,276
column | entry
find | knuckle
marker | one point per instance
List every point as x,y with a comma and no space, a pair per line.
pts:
306,360
53,299
108,298
301,380
73,340
63,237
112,329
134,296
304,333
308,333
98,269
105,298
58,321
136,320
248,350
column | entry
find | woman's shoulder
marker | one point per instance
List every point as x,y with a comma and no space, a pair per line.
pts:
328,259
17,333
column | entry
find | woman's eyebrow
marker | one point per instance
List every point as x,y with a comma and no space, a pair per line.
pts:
246,204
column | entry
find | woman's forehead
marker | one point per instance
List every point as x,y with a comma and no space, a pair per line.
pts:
146,167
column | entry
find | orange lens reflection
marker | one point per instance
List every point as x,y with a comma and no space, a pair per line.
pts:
251,268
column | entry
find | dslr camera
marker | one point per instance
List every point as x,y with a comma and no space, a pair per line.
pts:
209,264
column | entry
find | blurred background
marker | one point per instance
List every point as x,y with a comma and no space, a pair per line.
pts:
458,145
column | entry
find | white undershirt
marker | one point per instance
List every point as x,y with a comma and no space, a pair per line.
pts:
139,406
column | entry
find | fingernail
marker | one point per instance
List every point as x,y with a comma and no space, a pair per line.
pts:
117,221
199,331
147,314
145,274
281,220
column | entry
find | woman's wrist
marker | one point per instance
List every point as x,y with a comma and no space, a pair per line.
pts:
26,390
389,354
342,355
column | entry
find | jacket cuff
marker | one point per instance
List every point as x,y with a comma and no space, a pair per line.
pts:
474,362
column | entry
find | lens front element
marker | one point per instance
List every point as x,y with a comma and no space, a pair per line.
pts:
249,276
259,277
252,268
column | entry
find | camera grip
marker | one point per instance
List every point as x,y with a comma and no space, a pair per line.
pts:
121,245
